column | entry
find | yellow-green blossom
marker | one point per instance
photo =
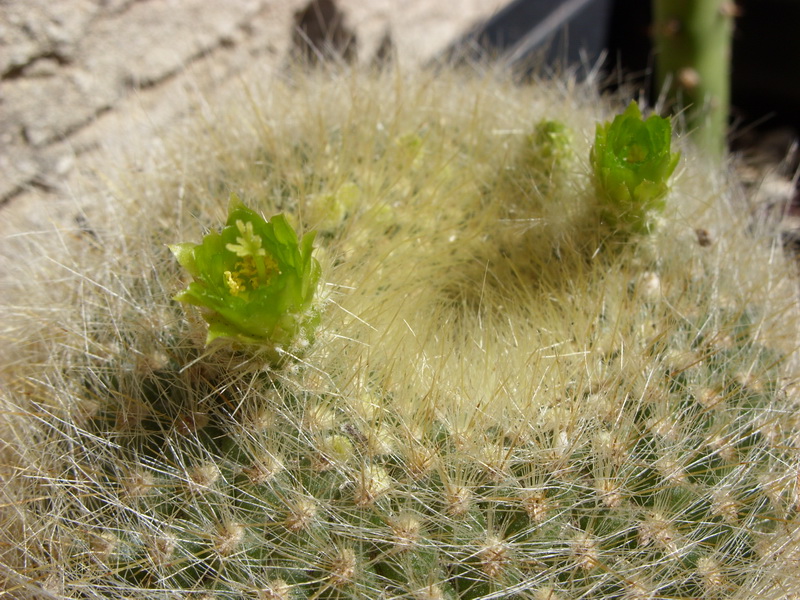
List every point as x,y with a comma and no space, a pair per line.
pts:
632,163
255,281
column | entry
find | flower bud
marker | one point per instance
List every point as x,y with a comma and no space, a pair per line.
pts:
632,162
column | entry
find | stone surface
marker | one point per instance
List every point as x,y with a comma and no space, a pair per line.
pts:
32,30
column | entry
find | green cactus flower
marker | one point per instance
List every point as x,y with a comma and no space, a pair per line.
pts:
632,162
256,282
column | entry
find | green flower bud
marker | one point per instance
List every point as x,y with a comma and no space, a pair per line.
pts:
551,141
632,162
254,280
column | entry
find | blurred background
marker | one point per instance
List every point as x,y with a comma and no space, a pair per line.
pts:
617,35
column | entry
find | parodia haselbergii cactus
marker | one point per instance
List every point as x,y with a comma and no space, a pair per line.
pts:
501,398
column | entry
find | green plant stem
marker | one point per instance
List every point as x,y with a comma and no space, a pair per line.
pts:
693,47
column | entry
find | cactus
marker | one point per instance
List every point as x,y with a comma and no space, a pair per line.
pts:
491,405
693,50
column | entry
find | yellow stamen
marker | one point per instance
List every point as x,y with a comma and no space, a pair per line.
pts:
234,284
250,273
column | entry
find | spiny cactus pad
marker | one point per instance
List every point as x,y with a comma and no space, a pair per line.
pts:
495,404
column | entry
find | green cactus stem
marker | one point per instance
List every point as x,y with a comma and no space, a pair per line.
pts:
693,47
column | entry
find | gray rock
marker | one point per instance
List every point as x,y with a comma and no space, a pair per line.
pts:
37,28
47,109
156,39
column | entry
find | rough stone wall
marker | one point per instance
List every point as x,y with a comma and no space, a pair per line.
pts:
80,76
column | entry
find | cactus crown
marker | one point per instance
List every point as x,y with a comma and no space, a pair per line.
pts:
492,406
